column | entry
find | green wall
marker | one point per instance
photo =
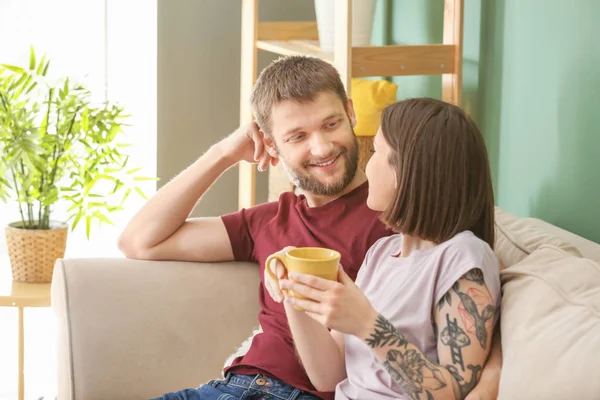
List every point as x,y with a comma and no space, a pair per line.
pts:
532,82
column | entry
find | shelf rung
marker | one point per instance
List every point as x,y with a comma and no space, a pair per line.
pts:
429,59
295,47
288,30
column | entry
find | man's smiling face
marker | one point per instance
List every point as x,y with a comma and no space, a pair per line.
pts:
315,143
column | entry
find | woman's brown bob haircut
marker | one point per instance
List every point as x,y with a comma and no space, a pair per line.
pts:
444,185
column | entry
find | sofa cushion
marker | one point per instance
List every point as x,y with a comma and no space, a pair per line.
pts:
551,327
516,238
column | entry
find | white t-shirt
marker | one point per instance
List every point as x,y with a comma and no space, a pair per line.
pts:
404,290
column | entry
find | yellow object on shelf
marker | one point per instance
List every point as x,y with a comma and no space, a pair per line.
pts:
369,98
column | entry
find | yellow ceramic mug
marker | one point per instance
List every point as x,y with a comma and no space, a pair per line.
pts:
316,261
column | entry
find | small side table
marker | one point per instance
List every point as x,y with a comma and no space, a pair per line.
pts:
21,295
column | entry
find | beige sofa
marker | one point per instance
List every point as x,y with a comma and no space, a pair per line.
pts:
135,329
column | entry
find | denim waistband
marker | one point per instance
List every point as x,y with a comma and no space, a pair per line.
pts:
261,383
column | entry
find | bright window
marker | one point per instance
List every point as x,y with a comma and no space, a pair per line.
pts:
109,45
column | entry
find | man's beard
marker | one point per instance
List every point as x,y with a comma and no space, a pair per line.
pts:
311,184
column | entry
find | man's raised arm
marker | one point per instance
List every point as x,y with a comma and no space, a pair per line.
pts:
161,229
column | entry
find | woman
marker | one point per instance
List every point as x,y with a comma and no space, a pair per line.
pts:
418,322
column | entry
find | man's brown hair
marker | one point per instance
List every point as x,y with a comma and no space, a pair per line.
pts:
298,78
444,183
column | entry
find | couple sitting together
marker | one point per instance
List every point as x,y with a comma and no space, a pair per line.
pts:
417,296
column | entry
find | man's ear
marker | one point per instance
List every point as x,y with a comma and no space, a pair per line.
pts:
269,145
351,113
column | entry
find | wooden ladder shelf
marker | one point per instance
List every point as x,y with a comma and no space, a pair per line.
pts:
302,38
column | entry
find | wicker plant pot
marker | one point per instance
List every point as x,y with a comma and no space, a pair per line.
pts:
33,252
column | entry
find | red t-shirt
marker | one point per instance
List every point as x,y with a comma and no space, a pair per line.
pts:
346,225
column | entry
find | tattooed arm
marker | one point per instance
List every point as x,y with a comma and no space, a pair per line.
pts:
465,315
488,386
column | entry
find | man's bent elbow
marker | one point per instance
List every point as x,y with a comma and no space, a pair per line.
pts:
130,249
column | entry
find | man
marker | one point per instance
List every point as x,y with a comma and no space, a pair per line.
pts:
305,121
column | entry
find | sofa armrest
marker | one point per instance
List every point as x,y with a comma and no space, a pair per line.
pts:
131,329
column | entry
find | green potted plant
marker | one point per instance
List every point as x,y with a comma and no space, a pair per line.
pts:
56,145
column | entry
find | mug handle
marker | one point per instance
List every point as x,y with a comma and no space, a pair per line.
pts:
278,256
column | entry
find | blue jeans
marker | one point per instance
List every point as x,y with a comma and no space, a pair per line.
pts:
241,387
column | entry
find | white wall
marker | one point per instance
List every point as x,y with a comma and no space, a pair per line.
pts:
199,46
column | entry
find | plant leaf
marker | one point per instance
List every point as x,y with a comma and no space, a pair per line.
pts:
31,58
107,177
23,86
139,191
125,196
18,82
114,130
33,85
133,171
85,121
88,226
118,185
85,143
77,218
14,68
51,198
103,218
41,65
72,198
45,71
